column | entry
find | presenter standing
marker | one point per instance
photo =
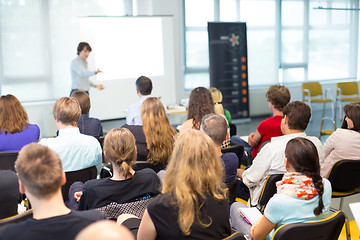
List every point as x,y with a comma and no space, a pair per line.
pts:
79,70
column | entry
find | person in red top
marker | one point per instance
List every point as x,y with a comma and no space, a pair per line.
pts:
277,96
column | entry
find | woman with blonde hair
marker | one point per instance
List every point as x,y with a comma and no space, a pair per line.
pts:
217,98
126,185
193,203
155,137
15,130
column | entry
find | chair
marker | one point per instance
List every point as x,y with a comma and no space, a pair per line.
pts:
238,150
235,236
345,179
312,93
7,160
325,229
326,131
268,190
138,165
233,189
17,218
82,175
346,92
114,210
101,141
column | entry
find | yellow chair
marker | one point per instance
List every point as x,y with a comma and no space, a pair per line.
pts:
313,93
346,92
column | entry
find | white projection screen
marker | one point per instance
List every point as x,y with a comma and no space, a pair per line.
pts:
125,48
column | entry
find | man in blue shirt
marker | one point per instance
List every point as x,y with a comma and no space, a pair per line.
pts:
77,151
79,70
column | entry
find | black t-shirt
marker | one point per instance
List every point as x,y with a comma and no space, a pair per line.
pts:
100,192
64,227
164,215
9,193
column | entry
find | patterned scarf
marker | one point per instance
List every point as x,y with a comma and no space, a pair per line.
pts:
297,185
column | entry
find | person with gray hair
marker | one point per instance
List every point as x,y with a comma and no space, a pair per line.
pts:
215,126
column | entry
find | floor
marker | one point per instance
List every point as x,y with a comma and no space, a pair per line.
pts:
245,127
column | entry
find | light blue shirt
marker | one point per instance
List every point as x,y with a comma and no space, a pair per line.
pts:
282,209
76,151
133,116
80,75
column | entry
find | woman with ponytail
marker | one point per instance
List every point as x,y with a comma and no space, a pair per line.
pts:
302,195
125,185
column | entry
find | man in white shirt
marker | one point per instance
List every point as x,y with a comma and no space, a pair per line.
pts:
270,160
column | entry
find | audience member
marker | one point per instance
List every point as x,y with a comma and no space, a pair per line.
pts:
155,138
79,70
40,178
125,185
343,143
87,125
200,104
302,195
77,151
277,96
296,116
15,130
10,195
105,230
193,203
217,98
215,126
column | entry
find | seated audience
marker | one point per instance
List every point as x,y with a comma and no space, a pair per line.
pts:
343,143
77,151
200,104
154,139
193,203
40,178
10,195
125,185
87,125
277,96
215,126
296,116
302,195
105,230
143,90
15,130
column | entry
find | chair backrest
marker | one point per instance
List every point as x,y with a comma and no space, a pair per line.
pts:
314,88
82,175
138,165
7,160
325,229
114,210
348,88
344,176
268,190
17,218
233,189
237,149
235,236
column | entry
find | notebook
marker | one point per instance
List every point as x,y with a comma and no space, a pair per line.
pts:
355,209
250,215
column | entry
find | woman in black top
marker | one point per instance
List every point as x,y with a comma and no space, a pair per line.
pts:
193,202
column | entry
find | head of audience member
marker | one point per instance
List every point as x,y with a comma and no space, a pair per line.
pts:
120,150
215,126
301,155
200,104
83,50
194,172
40,172
278,96
352,116
83,99
158,132
13,117
296,116
105,229
67,112
217,98
143,86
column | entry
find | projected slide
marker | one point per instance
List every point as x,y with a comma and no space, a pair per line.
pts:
124,47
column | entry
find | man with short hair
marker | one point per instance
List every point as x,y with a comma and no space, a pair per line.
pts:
40,178
215,126
270,160
77,151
